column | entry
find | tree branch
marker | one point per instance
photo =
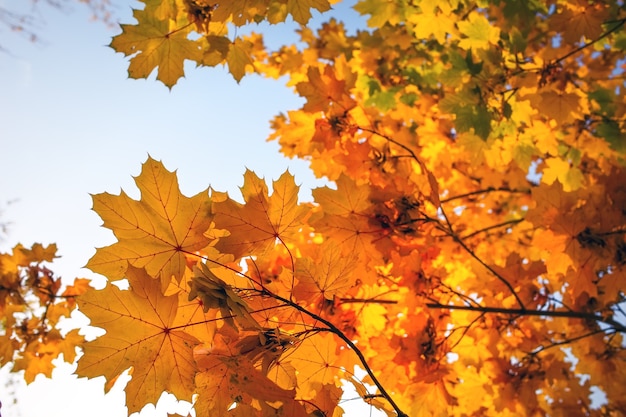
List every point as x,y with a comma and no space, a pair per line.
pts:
484,191
539,313
619,24
331,328
495,226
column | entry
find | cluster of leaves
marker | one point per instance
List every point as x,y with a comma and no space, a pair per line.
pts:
477,151
470,255
32,305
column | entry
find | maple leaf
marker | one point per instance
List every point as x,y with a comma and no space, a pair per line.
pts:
155,232
570,177
347,219
328,275
301,9
380,12
314,358
561,106
256,225
580,19
238,58
322,89
153,43
478,31
475,232
140,336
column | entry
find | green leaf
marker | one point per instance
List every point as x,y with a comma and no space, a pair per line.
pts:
605,99
611,132
474,67
383,100
477,118
518,41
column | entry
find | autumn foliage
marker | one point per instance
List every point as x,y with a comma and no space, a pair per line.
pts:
468,253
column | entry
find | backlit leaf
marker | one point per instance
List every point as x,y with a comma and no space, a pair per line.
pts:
155,44
155,232
140,336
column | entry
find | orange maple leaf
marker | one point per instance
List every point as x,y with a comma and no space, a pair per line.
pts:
141,334
323,89
256,225
154,233
328,275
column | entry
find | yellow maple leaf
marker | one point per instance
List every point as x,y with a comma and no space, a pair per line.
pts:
141,335
155,232
314,358
301,9
239,59
431,22
558,169
156,43
328,275
479,33
256,225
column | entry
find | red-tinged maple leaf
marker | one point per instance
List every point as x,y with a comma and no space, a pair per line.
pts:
256,225
155,232
141,335
156,43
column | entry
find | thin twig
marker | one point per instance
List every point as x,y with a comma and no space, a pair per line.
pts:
484,191
495,226
538,313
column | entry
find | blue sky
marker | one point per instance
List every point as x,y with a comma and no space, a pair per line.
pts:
72,125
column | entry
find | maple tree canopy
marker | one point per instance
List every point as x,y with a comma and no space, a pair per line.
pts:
469,254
